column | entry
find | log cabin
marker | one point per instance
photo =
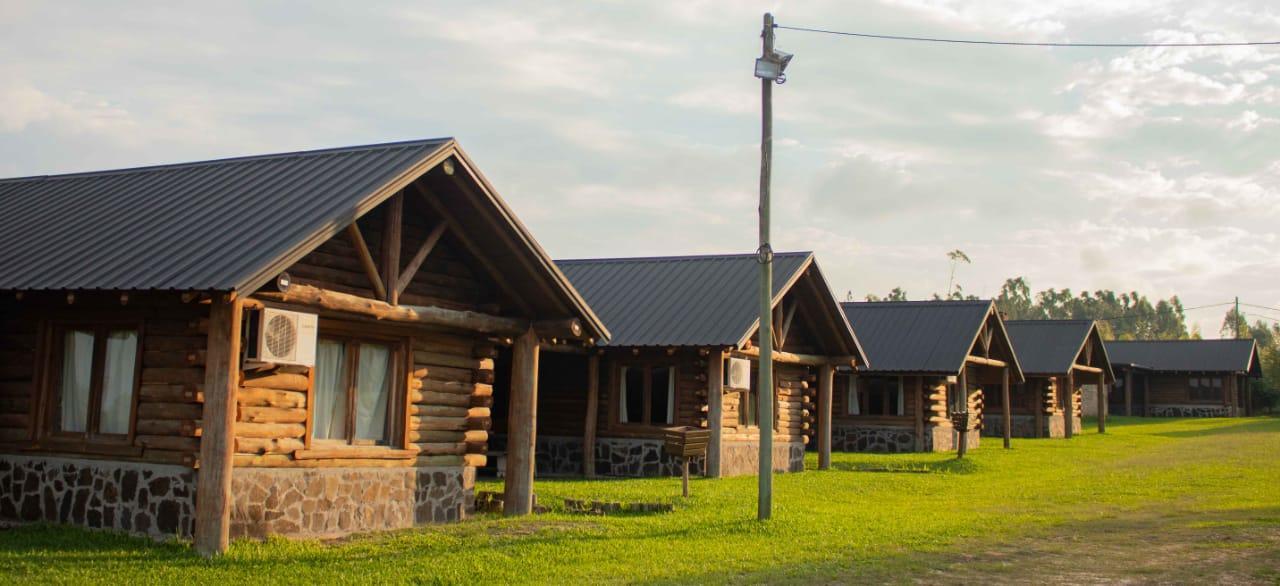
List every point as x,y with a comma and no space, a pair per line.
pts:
683,352
1184,378
298,344
1055,355
932,363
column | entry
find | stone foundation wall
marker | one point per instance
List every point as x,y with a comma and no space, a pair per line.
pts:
314,502
743,458
943,439
638,457
557,456
1189,411
856,438
1023,425
147,499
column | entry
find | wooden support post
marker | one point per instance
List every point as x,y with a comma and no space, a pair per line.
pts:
1128,392
1146,393
962,388
1248,396
1102,402
522,421
391,247
826,378
217,444
593,410
684,476
715,411
1069,404
1007,411
922,412
366,260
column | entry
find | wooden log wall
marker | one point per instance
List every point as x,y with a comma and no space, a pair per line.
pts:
796,407
691,390
840,404
169,395
450,414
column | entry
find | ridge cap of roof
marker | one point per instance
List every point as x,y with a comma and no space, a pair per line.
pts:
1181,341
679,258
922,302
221,160
1049,321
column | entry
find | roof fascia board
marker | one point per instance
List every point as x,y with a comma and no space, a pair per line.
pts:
786,288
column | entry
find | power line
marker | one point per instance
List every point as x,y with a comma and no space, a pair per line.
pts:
1261,307
1020,43
1185,309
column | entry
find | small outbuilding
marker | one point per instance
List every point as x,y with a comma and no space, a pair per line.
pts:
1184,378
1058,357
295,344
932,364
683,352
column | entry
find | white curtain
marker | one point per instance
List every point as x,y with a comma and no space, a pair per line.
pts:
852,391
330,414
373,386
77,369
671,395
902,409
117,381
622,395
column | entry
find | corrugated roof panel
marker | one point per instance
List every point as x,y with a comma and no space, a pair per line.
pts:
1186,355
677,301
916,336
204,225
1048,346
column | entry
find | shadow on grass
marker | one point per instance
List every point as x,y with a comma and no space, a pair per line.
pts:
1213,427
948,466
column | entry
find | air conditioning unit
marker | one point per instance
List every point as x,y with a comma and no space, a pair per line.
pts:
283,337
738,374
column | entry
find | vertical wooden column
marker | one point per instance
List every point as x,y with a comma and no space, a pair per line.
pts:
1040,389
391,247
1228,394
593,410
1248,396
921,412
1069,404
962,390
715,412
1128,393
1146,392
522,423
217,444
1008,409
826,378
1102,402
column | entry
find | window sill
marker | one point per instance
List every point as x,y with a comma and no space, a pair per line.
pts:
355,452
66,446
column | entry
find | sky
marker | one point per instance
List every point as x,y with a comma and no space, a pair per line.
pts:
632,128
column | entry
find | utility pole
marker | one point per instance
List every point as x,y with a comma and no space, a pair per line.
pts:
764,508
769,68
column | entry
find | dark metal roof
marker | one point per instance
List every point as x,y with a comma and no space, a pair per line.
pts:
917,336
1050,346
211,225
707,300
1239,356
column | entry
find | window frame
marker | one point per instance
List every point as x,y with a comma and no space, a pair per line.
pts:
396,435
1195,389
54,352
856,388
647,366
753,389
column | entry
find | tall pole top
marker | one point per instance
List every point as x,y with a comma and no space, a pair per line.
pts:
767,33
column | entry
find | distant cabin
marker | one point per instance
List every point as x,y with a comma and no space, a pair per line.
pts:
1056,355
929,360
1184,378
295,344
683,352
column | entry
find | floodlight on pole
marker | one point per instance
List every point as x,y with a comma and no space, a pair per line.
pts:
774,66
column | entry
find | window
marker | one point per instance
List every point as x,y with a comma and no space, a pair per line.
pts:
749,400
646,394
1206,388
875,395
94,380
355,381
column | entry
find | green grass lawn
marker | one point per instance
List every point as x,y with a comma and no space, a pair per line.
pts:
1185,490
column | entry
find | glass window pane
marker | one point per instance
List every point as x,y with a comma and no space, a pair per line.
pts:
661,393
117,381
876,400
631,407
902,398
373,391
73,386
854,405
329,418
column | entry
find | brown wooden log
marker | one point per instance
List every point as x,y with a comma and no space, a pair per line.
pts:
272,415
481,401
181,427
175,457
483,423
343,461
14,419
437,436
438,316
455,387
169,442
522,425
213,500
478,413
278,380
475,460
260,397
255,445
171,393
15,388
438,410
356,452
452,360
442,449
433,398
270,430
422,423
173,376
169,411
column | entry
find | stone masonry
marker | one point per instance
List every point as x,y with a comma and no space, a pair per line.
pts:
146,499
743,458
854,438
1189,411
321,502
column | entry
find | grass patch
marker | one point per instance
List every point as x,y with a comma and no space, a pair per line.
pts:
1045,506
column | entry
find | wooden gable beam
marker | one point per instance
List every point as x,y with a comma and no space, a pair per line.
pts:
452,222
366,260
786,324
391,234
410,270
